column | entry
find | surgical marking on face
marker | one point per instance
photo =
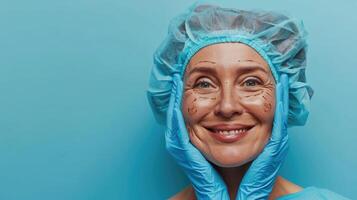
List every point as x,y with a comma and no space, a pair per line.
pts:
192,109
201,104
189,92
254,95
267,107
268,100
266,96
203,97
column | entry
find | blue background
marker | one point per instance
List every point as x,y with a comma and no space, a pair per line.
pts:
75,122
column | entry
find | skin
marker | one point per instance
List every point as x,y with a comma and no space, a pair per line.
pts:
229,83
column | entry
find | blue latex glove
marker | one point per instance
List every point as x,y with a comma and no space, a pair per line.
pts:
259,180
207,183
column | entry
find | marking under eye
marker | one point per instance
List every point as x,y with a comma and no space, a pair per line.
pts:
192,110
203,97
254,95
267,107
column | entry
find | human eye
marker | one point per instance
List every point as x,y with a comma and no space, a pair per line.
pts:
203,83
251,82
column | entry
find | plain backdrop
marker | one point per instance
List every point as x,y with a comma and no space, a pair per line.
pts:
75,122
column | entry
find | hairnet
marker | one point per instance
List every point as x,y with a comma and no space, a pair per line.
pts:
280,40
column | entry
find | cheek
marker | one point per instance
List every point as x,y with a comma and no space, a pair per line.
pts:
195,106
260,103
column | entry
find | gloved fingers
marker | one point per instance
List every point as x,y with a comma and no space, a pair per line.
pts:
172,103
179,90
176,124
182,135
281,109
285,90
277,130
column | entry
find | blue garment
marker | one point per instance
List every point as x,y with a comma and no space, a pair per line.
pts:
313,193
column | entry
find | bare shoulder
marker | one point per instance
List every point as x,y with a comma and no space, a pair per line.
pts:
186,194
283,187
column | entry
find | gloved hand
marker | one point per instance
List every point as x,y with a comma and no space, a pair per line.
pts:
259,180
207,183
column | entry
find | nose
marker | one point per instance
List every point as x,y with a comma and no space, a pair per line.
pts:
229,104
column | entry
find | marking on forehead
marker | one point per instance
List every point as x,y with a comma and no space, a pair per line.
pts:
246,60
203,61
250,60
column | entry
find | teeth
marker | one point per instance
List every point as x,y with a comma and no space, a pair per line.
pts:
232,132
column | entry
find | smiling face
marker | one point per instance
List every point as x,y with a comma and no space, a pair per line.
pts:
228,103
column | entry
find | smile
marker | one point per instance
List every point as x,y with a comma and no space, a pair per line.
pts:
229,133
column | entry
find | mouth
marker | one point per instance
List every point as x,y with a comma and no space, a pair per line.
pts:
229,133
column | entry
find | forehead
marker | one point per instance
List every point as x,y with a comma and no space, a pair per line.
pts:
225,54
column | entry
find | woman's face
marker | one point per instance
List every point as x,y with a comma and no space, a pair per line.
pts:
228,103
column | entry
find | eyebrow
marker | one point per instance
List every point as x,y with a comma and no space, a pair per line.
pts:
251,68
241,69
203,69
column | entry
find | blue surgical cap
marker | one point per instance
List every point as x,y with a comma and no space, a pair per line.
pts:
280,40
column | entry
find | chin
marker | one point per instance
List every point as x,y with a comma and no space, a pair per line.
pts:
229,161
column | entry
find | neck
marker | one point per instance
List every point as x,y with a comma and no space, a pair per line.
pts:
232,177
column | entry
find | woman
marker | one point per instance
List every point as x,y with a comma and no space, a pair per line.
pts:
227,83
